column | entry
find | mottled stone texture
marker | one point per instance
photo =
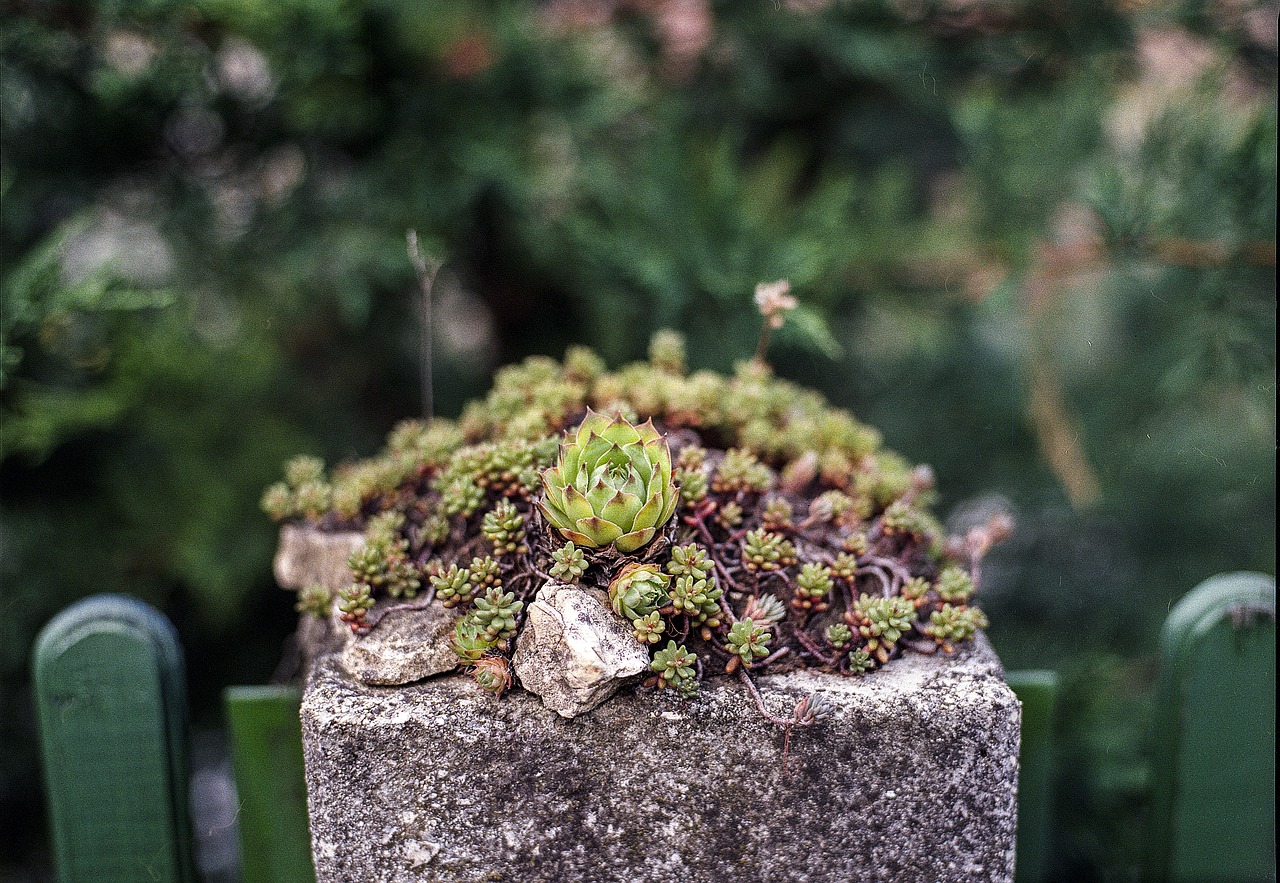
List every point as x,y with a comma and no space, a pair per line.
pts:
574,651
407,644
308,556
912,778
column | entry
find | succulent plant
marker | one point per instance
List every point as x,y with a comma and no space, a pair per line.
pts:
316,600
693,485
915,590
638,590
812,585
470,639
277,502
776,515
691,475
485,572
886,617
648,629
421,442
460,495
845,566
772,480
666,351
730,514
813,707
698,599
347,500
581,364
748,641
434,530
496,612
882,621
690,560
741,470
950,625
856,543
569,563
675,667
765,550
906,518
503,525
830,505
311,499
860,661
954,584
383,561
765,609
492,674
453,586
612,485
354,601
839,636
692,458
304,470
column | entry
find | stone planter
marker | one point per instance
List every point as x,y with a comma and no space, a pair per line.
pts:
913,777
583,538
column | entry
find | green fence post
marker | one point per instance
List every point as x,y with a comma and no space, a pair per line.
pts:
1038,693
111,701
266,753
1213,769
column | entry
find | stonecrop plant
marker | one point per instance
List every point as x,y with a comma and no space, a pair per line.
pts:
737,523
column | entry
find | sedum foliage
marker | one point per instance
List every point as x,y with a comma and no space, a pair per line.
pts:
830,552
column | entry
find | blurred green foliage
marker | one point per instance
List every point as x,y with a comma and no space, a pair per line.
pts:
1042,236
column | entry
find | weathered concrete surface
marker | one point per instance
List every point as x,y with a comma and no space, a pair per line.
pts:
912,778
574,651
307,556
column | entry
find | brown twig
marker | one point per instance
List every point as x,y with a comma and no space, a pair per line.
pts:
426,273
370,622
787,722
813,648
773,657
885,582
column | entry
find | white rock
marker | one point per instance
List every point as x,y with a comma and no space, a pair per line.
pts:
574,651
307,556
405,645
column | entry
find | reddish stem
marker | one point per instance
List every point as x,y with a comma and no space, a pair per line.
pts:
813,649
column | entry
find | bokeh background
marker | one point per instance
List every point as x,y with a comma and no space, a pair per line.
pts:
1035,244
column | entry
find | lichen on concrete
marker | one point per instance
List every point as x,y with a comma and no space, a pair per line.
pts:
913,777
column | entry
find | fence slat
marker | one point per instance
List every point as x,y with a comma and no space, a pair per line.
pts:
111,701
1213,811
266,753
1038,692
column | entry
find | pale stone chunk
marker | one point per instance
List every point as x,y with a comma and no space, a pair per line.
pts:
574,651
406,645
309,556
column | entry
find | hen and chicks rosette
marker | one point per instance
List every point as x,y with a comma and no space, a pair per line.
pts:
611,485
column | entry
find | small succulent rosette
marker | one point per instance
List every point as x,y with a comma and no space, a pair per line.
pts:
611,485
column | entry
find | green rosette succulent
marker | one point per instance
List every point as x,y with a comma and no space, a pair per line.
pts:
638,590
611,486
675,667
749,641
